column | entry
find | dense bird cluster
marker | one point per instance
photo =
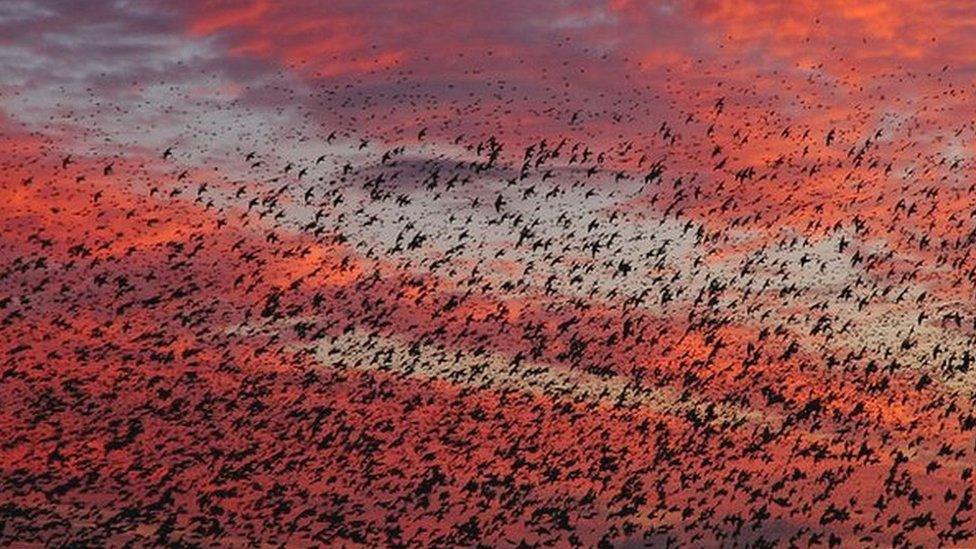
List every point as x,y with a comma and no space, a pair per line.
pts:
726,327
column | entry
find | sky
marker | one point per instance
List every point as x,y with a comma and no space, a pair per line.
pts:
634,272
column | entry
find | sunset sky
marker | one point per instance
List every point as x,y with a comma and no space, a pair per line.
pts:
447,273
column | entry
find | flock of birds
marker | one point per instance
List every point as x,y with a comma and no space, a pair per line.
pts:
731,327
